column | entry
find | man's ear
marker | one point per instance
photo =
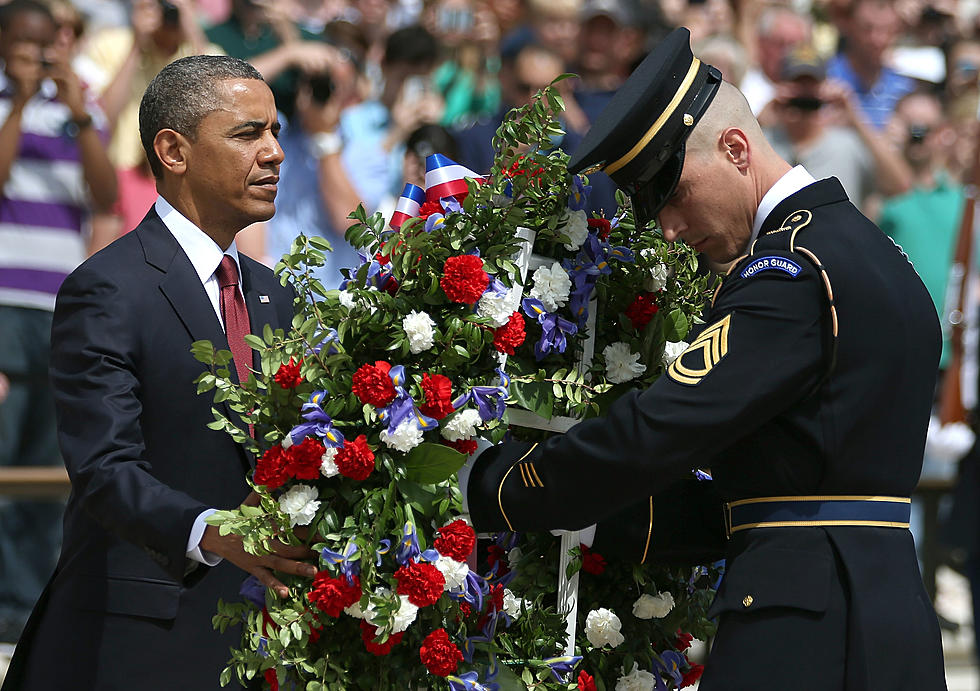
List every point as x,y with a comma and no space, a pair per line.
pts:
171,148
735,146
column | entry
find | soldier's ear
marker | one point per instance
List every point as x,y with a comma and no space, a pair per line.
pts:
735,146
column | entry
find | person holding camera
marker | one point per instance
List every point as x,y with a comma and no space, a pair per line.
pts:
818,124
53,172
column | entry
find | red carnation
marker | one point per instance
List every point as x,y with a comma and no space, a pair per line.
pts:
438,391
592,562
287,376
440,655
601,226
429,208
642,309
369,632
497,556
271,679
355,460
422,583
683,641
270,469
464,279
464,446
331,595
692,675
455,540
303,460
586,682
373,385
510,335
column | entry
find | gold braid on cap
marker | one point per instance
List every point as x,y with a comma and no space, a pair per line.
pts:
682,90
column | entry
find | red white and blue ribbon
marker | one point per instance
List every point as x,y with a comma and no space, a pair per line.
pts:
408,205
446,178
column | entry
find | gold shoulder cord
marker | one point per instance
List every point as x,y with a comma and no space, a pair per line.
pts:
500,487
646,547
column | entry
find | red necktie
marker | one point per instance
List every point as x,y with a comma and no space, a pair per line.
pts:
235,316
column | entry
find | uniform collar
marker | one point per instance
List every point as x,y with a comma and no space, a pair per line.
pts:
204,253
789,184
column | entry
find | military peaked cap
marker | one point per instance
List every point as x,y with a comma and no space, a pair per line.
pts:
639,138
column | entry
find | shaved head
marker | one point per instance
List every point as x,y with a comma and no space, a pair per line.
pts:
728,109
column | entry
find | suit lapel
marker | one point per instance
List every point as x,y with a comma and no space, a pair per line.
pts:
184,291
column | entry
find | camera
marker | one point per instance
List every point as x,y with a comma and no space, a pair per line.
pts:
321,87
805,103
171,13
918,134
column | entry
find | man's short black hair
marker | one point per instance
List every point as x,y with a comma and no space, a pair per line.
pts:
18,7
412,45
183,94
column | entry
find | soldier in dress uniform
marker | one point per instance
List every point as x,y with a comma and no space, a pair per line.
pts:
807,394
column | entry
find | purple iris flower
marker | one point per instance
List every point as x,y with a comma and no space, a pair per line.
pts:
701,475
253,591
347,561
403,407
553,328
451,205
562,666
578,198
384,546
408,548
670,663
491,401
496,288
317,423
467,682
433,222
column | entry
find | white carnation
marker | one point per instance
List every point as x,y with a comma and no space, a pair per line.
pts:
327,466
658,278
346,299
405,615
455,572
602,627
636,680
672,350
512,604
300,504
462,425
405,437
419,329
621,364
498,308
355,610
653,606
513,557
551,286
576,228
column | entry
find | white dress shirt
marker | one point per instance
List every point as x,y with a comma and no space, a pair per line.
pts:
205,256
791,183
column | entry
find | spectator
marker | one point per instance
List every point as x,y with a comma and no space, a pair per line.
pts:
262,33
725,53
315,194
804,132
53,168
374,131
467,79
127,58
521,76
869,31
924,221
778,30
555,25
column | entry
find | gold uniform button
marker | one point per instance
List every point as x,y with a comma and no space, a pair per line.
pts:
747,601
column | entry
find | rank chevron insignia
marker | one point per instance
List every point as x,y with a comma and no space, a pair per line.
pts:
712,345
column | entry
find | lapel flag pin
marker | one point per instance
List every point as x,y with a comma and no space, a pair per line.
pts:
263,298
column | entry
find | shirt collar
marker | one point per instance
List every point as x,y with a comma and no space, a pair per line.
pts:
204,253
790,183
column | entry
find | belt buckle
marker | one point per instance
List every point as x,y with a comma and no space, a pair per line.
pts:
727,510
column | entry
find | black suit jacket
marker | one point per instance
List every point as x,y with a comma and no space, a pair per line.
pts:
125,608
800,608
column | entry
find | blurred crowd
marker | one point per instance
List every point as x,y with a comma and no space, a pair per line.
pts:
881,94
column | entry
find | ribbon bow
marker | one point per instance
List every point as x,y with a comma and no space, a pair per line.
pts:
445,183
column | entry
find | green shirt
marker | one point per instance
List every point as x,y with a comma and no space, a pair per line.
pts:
925,222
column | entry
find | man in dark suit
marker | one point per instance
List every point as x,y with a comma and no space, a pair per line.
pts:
807,394
140,574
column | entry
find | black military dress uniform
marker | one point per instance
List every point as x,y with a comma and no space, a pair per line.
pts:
808,395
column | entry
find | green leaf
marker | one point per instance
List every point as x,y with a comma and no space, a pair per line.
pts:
429,463
676,325
508,681
535,396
